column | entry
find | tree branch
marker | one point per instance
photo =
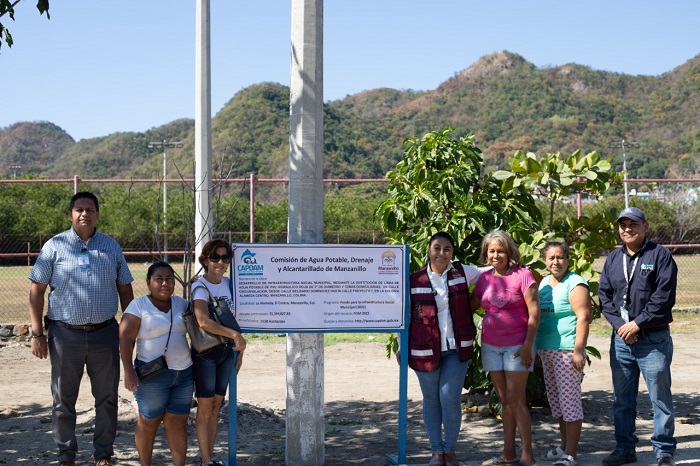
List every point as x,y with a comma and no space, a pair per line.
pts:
9,8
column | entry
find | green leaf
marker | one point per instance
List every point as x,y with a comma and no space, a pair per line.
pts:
591,175
593,352
502,174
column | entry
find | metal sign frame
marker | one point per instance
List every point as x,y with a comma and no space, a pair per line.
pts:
400,457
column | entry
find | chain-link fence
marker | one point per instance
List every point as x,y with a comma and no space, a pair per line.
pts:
151,222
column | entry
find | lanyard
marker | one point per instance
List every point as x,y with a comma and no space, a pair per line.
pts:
628,279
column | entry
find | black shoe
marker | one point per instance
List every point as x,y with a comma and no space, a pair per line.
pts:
666,460
619,457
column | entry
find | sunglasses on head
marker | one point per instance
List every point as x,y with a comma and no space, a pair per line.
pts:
214,257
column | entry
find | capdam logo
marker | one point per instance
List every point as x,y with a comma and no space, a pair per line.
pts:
250,265
248,257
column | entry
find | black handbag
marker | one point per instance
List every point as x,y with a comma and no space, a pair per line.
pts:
150,369
220,311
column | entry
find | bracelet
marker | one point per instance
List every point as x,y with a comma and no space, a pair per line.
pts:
37,336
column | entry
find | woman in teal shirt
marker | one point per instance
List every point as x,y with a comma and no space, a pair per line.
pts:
565,305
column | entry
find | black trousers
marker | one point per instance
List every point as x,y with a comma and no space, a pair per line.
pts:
71,351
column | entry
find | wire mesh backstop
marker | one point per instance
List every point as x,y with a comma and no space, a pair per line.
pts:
149,225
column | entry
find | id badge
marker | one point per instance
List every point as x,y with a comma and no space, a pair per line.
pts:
624,314
84,260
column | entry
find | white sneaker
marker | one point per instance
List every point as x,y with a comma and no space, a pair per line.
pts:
553,454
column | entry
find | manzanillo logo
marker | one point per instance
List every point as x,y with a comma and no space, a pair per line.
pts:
388,263
250,265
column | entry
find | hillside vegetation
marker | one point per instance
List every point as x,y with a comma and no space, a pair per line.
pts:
506,101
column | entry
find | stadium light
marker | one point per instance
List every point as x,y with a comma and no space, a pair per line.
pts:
623,144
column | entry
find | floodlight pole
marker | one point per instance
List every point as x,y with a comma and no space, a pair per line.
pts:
157,145
622,144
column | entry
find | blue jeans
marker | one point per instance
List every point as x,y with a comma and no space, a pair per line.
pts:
212,371
651,355
170,391
442,392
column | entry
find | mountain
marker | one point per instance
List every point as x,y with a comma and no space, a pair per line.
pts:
506,101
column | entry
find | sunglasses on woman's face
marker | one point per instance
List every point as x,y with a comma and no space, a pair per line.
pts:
214,257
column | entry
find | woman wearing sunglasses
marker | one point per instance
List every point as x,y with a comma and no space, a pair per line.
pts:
212,368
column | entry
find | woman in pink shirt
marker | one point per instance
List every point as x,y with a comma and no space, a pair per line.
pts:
508,294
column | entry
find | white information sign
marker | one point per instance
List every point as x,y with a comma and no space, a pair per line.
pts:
290,287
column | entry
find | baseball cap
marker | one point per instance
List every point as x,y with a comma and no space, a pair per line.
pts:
632,213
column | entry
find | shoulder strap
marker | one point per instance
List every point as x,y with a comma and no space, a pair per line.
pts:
212,299
171,326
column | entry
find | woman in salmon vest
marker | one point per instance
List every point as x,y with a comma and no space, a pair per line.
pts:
441,334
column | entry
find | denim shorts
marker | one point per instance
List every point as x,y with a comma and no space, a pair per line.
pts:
169,391
500,358
212,371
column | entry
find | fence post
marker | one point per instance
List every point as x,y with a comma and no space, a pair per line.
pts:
76,184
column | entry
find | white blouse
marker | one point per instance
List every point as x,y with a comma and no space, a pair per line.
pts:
439,283
153,332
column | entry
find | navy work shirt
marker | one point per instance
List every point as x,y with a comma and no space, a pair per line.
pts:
652,289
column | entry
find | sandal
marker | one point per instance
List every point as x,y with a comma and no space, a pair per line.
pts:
498,461
554,454
565,460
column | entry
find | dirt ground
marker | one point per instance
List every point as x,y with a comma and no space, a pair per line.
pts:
361,393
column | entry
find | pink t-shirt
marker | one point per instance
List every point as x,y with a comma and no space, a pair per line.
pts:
503,299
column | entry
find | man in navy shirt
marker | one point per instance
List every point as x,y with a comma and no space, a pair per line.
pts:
637,293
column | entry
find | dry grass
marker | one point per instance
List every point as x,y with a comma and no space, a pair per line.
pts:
14,290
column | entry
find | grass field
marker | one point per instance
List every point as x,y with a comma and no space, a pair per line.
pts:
14,297
14,290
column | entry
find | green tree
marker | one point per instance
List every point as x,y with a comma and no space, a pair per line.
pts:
553,178
440,185
31,209
8,6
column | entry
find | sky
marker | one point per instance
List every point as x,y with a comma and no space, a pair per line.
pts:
100,67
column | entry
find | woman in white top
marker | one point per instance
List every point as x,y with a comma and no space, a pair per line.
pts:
153,324
212,368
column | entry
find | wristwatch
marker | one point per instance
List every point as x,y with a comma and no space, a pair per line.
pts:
38,336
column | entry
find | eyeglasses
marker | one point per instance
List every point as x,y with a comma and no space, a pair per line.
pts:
214,257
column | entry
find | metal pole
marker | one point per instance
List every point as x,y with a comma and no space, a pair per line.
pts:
165,202
157,145
624,180
202,131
